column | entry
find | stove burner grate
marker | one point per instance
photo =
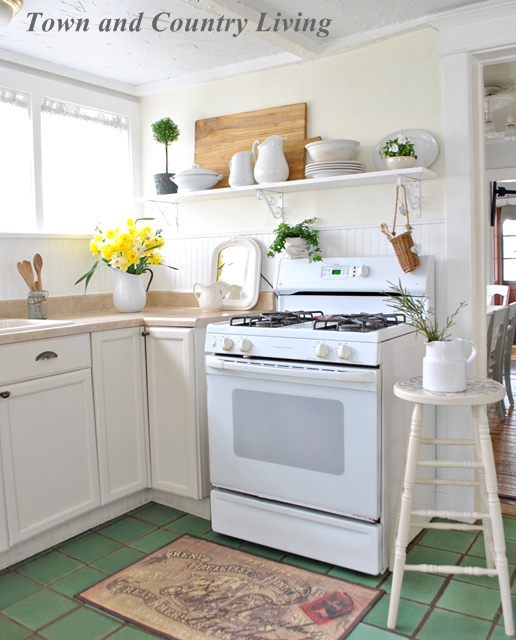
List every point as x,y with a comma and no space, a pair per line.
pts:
274,318
358,322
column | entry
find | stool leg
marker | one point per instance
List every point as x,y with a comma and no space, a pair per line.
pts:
486,522
481,425
400,550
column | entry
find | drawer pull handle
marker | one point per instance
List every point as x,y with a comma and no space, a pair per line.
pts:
5,394
46,355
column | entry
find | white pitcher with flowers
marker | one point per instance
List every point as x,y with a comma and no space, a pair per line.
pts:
446,359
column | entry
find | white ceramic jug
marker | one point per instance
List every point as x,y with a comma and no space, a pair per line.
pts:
271,164
209,296
445,365
241,169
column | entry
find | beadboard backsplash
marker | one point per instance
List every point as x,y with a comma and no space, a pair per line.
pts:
66,259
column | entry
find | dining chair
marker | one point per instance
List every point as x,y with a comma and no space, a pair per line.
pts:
507,352
497,289
496,332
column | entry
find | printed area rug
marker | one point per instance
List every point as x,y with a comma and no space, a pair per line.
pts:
193,589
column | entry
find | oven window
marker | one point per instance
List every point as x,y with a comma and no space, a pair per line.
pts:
294,431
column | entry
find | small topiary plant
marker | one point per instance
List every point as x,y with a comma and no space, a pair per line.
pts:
165,131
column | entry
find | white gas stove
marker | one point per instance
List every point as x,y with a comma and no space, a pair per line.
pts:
306,437
332,311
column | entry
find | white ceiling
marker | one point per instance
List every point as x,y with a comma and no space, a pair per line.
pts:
145,60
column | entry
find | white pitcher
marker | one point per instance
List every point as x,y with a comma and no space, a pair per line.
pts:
271,164
209,296
241,169
445,365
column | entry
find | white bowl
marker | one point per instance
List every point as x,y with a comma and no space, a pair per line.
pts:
197,179
328,150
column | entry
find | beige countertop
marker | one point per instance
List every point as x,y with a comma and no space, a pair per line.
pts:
95,312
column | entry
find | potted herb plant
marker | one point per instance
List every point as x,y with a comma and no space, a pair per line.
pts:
399,153
298,241
165,131
445,363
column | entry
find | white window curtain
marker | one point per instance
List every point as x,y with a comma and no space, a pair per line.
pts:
86,168
17,210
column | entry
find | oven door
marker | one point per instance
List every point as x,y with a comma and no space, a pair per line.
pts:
297,433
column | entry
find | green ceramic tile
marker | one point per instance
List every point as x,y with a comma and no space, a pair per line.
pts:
190,524
421,587
117,560
154,540
410,615
40,608
356,577
14,587
470,599
12,630
127,529
367,632
484,581
159,514
131,633
76,582
445,624
83,624
509,527
264,552
430,555
307,563
49,568
458,541
228,541
89,547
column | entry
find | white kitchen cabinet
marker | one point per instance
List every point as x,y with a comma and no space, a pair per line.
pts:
119,387
47,434
4,536
177,413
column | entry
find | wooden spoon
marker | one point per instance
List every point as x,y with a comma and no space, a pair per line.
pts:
25,275
38,265
29,274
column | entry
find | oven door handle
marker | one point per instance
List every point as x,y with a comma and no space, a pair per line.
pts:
351,375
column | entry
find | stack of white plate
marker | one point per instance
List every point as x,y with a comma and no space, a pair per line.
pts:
335,168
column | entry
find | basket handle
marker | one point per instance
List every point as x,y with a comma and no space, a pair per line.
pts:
407,226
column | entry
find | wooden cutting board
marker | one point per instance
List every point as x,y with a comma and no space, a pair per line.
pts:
218,139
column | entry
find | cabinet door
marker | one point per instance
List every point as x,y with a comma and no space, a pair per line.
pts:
48,452
120,411
175,443
4,537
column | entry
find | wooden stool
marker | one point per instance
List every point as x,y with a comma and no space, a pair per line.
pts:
479,394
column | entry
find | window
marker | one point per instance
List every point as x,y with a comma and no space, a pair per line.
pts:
17,193
509,252
86,172
69,155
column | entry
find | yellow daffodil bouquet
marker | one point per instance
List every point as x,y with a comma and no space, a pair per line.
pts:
132,248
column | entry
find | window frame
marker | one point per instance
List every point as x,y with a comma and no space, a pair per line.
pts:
40,84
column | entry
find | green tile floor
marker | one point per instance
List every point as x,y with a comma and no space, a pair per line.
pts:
36,596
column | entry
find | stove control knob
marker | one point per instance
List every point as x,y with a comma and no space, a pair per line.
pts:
322,350
226,344
245,345
344,352
363,271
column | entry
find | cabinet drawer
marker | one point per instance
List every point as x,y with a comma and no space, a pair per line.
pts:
26,360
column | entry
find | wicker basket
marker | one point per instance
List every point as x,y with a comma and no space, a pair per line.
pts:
403,244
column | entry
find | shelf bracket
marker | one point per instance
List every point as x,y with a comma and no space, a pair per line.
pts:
273,202
413,190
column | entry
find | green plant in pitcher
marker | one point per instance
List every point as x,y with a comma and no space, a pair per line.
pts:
419,314
300,230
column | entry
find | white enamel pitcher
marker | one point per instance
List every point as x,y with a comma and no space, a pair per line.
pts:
210,296
270,165
445,365
241,169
